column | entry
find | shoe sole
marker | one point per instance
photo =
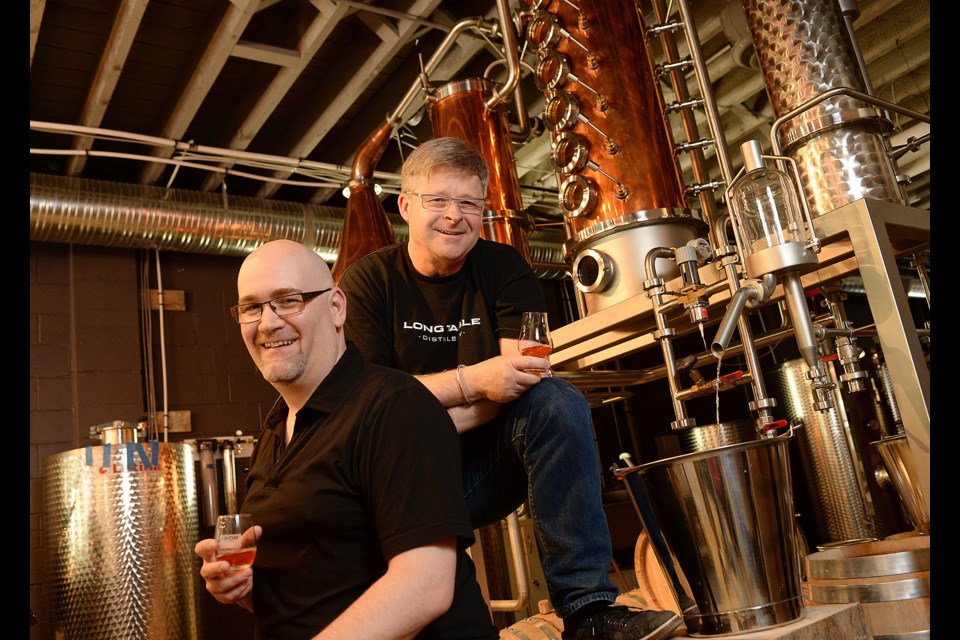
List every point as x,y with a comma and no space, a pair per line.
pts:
661,632
665,629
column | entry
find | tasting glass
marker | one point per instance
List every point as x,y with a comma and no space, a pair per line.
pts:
236,540
535,338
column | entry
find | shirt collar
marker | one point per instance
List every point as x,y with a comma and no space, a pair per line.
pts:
328,395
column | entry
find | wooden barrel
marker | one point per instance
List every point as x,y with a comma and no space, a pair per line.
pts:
542,626
889,578
654,590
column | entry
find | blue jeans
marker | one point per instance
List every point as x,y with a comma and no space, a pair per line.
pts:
541,449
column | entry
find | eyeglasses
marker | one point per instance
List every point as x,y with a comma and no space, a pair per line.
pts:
467,206
286,305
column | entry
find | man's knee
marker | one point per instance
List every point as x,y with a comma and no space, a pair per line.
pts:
560,399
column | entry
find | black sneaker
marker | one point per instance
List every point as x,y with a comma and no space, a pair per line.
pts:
618,622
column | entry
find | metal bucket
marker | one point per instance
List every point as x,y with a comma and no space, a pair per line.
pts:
721,434
726,516
121,528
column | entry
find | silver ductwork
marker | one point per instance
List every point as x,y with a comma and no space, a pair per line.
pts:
134,216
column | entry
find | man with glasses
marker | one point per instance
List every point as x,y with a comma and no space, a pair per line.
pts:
445,305
362,528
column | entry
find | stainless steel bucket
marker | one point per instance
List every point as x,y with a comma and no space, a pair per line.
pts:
726,517
121,528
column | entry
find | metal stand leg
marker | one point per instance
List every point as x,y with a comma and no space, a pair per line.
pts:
874,228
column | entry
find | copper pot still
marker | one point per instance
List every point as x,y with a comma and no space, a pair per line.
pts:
837,144
458,110
620,185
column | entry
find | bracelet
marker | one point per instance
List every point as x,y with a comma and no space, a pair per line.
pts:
460,384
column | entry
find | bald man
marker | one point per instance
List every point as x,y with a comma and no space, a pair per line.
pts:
354,480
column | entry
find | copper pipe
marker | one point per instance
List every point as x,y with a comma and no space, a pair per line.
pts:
365,224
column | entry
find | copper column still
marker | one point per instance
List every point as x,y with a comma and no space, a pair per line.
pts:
804,51
621,188
459,109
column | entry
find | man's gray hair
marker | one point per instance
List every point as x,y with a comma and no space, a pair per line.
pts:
447,153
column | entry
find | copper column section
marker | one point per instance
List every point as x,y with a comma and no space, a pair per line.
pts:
458,109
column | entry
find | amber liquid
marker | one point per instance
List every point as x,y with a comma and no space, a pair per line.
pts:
538,350
239,559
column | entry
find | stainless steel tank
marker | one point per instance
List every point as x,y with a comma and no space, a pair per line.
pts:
121,528
804,51
833,471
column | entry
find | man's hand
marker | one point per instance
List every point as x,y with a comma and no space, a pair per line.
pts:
502,378
228,587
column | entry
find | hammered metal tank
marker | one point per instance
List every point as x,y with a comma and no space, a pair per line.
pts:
121,522
620,185
833,471
805,51
458,110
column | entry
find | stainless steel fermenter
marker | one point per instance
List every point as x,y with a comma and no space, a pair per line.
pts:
121,528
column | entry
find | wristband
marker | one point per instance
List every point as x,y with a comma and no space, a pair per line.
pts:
460,384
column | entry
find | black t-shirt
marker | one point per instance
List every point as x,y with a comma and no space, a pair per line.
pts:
372,470
401,319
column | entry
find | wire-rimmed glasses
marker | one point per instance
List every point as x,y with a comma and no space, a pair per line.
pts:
437,202
286,305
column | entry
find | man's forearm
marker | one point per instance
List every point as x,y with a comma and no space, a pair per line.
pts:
468,416
448,387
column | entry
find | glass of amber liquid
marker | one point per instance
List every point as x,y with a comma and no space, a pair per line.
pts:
236,540
535,338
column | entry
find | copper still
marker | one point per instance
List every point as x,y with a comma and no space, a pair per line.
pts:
459,109
621,187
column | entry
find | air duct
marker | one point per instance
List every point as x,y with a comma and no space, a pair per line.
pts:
134,216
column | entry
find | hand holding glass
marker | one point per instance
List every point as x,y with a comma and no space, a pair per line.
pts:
535,338
236,540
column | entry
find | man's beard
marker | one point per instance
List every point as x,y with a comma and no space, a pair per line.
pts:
283,372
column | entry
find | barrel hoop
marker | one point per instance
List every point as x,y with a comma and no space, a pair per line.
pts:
907,635
870,566
878,592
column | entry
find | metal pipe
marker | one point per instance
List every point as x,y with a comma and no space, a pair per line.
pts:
664,333
229,477
688,120
208,482
706,90
478,24
586,379
850,12
889,106
519,566
512,56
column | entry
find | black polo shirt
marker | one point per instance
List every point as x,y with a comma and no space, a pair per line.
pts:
372,470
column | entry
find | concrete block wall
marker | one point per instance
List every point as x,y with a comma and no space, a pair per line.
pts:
87,367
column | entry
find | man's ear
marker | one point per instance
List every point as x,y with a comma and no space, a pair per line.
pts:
338,307
403,203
